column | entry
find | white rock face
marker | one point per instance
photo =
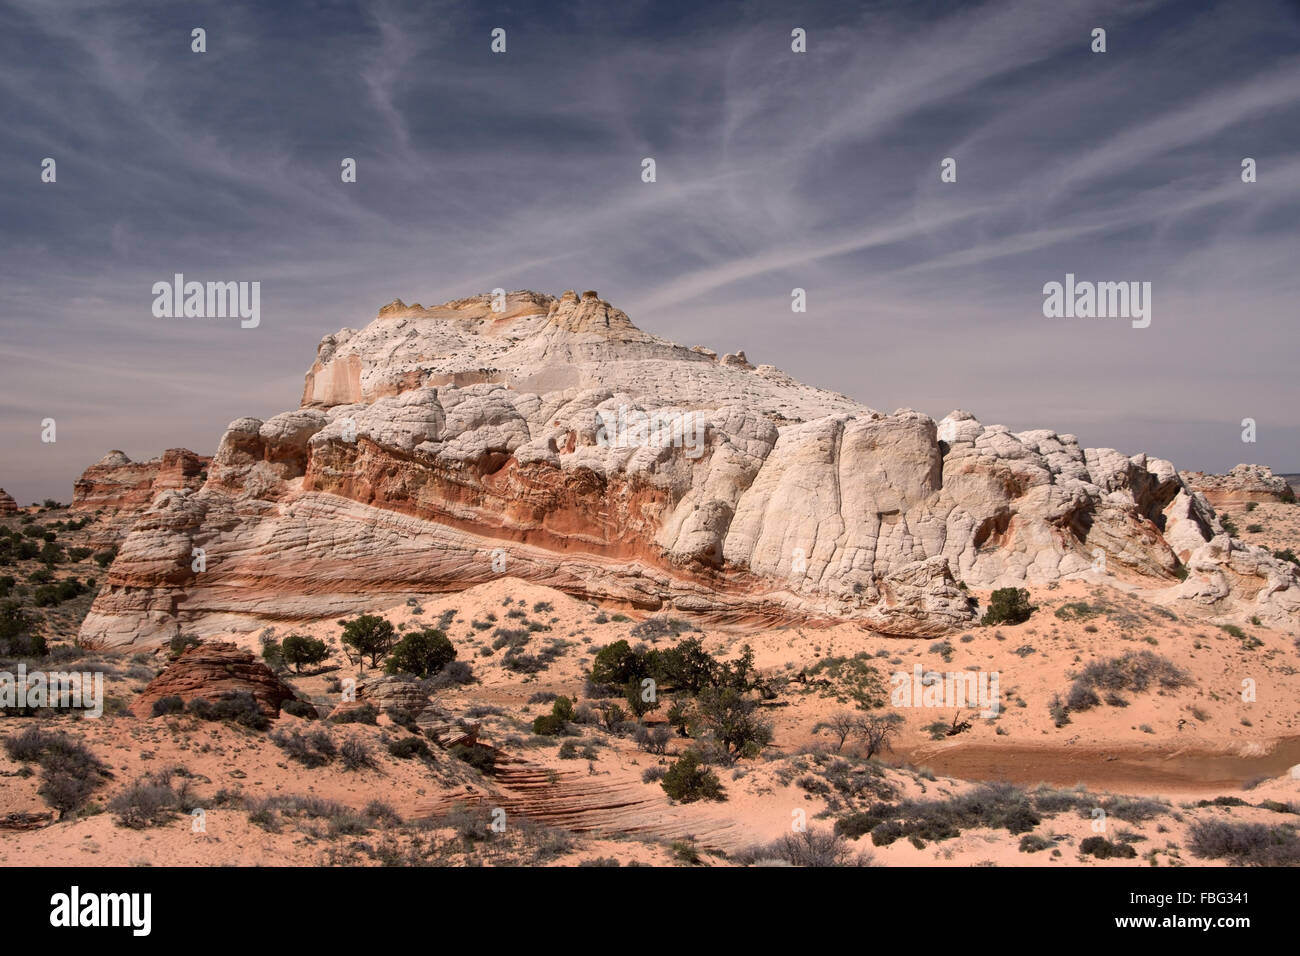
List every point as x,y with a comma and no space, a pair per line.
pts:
586,454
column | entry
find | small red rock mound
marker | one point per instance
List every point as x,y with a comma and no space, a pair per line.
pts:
116,483
211,670
7,504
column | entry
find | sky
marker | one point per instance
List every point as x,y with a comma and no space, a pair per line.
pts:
774,170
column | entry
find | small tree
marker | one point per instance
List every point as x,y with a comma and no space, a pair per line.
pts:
635,695
616,664
731,717
370,635
297,650
842,726
422,653
687,780
878,731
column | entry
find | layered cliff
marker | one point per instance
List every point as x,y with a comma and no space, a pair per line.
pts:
553,440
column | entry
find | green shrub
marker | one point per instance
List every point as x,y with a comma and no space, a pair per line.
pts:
364,714
422,653
300,708
239,707
172,704
687,780
1103,849
181,643
1008,606
19,634
482,759
298,650
409,747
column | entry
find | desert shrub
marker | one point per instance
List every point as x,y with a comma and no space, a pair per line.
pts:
409,747
455,673
19,633
1081,697
1008,606
422,653
314,749
1287,554
1229,525
171,704
652,740
687,780
1049,801
1077,611
181,643
105,558
482,759
64,791
145,803
1134,809
1103,849
300,708
239,707
1134,671
69,771
557,721
817,848
653,774
356,754
511,638
852,679
365,714
299,650
1032,843
995,806
272,652
369,636
654,628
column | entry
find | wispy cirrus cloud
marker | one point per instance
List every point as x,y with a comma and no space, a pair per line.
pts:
775,170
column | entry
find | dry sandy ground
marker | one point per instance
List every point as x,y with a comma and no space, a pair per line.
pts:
1177,747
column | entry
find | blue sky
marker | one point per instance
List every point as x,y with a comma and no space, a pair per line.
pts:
775,170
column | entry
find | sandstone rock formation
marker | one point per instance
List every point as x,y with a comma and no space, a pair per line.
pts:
1244,483
7,504
124,489
211,670
438,448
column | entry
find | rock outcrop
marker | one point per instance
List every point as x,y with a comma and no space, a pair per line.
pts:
1243,484
124,489
402,699
7,504
210,670
553,440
